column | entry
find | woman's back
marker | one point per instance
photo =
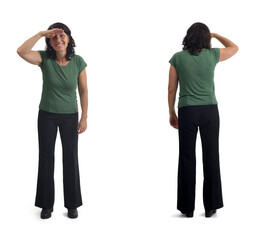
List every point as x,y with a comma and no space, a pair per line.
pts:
196,76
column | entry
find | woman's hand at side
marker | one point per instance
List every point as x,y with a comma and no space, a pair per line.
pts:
82,125
174,120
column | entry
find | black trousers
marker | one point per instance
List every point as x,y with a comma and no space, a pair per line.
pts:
206,118
48,123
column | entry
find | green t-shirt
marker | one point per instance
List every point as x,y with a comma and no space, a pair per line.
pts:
59,84
196,76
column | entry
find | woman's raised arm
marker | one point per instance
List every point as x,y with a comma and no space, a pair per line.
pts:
229,50
25,50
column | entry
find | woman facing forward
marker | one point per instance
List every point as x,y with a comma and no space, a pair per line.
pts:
62,72
194,68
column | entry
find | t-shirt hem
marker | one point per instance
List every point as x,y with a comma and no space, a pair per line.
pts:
55,111
199,104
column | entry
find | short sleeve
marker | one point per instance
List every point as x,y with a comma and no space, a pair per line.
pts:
44,57
82,64
173,60
216,53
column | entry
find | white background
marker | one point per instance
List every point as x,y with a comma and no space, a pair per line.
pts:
129,154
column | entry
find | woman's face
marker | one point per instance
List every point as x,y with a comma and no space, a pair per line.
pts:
60,42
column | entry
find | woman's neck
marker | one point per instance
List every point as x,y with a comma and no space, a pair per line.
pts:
61,57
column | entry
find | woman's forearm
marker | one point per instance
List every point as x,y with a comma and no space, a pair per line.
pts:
84,104
29,44
171,100
226,42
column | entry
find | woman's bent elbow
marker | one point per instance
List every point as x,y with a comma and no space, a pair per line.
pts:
18,51
236,49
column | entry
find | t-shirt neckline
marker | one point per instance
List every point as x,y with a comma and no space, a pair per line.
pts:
62,65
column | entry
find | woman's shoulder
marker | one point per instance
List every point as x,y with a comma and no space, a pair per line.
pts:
211,49
43,54
215,52
179,53
44,58
79,61
77,58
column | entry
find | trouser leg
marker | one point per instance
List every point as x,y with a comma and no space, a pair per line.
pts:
187,160
47,131
209,131
71,179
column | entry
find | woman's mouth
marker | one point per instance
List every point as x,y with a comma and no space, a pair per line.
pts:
59,45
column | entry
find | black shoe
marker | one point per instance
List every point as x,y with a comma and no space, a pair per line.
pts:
72,213
46,213
209,213
188,214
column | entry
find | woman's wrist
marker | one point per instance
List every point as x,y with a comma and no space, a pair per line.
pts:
84,117
172,111
40,34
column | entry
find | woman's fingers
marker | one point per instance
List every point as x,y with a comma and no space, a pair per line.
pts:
174,121
81,128
51,33
58,30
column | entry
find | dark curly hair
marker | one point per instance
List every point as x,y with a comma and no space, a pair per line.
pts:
198,36
51,53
